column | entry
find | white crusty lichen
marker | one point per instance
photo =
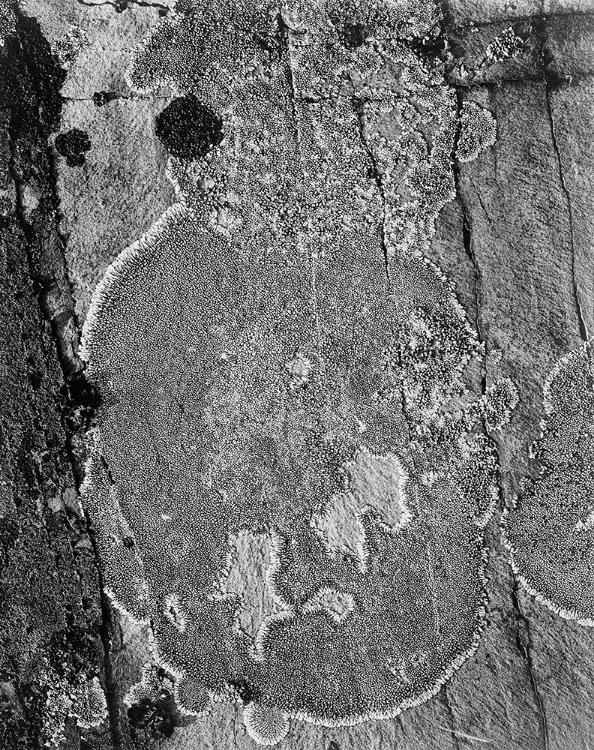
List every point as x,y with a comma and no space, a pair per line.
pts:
67,47
80,698
278,480
478,131
549,529
505,45
266,725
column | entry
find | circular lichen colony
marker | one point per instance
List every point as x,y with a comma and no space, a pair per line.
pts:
188,128
550,531
275,359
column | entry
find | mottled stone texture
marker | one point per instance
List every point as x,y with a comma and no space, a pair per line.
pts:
517,243
52,633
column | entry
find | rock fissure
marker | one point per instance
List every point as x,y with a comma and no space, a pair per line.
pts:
451,719
525,647
542,31
376,175
528,18
121,5
36,80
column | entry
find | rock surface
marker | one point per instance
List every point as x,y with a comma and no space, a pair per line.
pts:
517,244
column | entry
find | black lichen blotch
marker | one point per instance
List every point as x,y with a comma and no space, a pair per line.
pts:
188,129
73,145
350,35
157,716
100,98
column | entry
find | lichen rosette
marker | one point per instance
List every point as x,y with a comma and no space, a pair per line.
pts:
285,497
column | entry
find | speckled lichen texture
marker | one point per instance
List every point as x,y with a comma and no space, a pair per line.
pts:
341,352
277,338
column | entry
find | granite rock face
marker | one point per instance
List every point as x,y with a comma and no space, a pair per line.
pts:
494,101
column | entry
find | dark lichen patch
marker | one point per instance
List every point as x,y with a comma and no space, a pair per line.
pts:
101,98
71,651
245,690
351,35
188,128
73,145
430,47
159,716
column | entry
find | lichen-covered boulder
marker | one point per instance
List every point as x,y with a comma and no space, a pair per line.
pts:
282,370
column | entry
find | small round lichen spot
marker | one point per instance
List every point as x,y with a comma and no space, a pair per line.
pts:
478,131
67,47
191,697
505,45
299,369
265,725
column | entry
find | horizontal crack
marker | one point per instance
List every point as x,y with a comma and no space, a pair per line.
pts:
121,5
468,25
571,80
101,98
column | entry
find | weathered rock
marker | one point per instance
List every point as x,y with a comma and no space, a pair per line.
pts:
516,243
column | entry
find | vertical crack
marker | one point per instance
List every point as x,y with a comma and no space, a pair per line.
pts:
285,32
359,107
451,718
468,240
32,80
541,27
523,637
525,647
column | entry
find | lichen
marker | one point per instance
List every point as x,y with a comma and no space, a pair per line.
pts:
7,23
278,363
90,706
505,45
267,726
67,47
151,703
549,529
73,145
478,131
81,699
